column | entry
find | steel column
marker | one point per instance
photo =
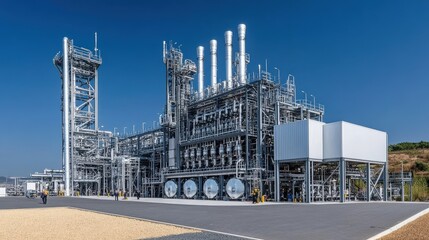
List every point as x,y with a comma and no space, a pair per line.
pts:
66,120
342,179
307,181
368,181
277,181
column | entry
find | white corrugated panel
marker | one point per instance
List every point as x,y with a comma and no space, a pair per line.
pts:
315,140
2,192
363,143
332,141
298,140
350,141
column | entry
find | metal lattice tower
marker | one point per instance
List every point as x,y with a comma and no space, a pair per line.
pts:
84,146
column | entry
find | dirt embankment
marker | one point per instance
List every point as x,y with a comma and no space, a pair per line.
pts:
416,160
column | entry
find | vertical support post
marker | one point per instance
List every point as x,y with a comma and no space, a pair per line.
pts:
277,181
139,177
411,189
247,131
259,140
123,174
104,180
386,181
402,182
307,181
386,171
112,189
66,120
368,181
312,181
200,186
179,187
342,178
96,99
221,187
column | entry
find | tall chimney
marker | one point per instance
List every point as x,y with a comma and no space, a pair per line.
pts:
242,53
200,56
213,50
228,56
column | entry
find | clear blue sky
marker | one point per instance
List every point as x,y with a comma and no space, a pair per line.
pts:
366,61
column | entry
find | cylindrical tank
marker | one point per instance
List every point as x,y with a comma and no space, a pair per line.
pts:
235,188
211,188
170,188
190,188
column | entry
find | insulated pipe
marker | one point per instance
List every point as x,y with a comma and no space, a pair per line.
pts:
213,51
228,58
66,121
242,52
200,56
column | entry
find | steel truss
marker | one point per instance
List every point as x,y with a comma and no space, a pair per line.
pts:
86,149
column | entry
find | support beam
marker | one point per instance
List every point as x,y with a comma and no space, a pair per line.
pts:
221,187
342,182
386,173
307,181
179,187
277,181
411,189
368,182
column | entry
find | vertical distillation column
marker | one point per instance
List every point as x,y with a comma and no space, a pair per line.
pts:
228,58
213,51
242,53
66,120
200,56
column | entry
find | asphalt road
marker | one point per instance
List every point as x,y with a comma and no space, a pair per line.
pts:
289,221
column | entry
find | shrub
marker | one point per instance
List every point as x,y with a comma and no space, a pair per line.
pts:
408,146
420,189
420,166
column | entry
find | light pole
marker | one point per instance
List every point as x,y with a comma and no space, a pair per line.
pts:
278,74
314,100
402,181
305,96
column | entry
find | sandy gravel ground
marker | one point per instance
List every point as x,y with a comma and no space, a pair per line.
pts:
416,230
66,223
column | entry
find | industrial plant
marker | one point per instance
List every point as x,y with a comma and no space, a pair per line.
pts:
245,131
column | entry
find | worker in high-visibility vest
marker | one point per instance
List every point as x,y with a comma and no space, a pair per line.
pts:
44,196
